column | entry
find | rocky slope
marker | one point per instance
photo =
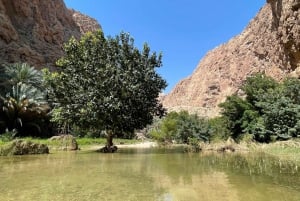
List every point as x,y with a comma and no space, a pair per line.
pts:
34,31
84,22
270,44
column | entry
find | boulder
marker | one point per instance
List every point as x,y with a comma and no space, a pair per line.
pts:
21,147
107,149
65,142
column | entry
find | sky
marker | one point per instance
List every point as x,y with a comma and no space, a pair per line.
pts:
183,30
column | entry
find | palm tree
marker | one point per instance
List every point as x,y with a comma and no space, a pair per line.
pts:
23,73
23,107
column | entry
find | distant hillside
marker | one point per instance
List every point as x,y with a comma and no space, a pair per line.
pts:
270,44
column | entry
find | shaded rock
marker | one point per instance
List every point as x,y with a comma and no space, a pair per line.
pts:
107,149
20,147
65,142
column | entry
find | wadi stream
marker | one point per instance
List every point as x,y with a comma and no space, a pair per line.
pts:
148,175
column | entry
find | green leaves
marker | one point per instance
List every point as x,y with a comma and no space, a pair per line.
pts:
24,104
106,82
237,112
22,73
181,127
269,111
256,86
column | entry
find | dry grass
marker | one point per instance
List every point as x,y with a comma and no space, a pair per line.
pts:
227,146
288,150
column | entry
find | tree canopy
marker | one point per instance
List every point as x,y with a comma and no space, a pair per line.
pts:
270,110
106,83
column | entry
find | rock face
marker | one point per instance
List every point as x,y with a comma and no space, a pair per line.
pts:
84,22
270,44
34,31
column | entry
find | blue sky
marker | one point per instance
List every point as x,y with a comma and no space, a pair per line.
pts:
183,30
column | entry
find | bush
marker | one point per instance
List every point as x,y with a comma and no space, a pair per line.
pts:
219,129
270,111
180,127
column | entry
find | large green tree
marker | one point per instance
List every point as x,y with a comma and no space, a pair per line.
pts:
238,113
257,85
107,83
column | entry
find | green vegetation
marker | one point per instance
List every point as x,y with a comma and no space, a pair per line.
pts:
23,104
106,87
182,128
106,84
219,130
83,142
270,111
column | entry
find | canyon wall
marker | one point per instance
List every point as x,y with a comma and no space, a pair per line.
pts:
34,31
270,44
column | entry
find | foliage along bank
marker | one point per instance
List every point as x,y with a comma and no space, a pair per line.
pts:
24,109
106,84
102,83
268,111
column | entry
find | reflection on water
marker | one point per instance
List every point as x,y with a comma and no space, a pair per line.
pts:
150,174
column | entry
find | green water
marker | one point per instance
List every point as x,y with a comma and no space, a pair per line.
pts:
148,175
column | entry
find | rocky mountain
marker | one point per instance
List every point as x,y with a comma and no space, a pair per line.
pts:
34,31
270,44
84,22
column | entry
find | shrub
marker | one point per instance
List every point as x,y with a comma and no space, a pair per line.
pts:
181,127
219,129
270,111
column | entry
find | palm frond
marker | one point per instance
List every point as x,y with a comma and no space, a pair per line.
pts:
23,92
23,73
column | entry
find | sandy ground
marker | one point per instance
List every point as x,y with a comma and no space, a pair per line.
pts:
146,144
138,145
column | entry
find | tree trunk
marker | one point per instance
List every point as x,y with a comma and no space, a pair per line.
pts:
109,138
109,147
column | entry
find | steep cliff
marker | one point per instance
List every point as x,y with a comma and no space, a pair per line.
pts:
34,31
270,44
